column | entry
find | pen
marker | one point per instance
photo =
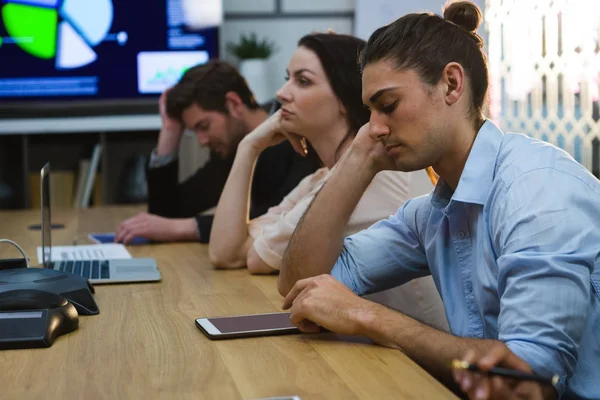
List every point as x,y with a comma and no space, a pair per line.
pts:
505,372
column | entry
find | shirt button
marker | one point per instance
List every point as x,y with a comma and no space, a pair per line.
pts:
461,235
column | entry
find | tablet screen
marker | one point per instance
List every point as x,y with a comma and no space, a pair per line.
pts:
246,323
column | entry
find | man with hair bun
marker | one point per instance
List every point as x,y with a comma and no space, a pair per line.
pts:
510,234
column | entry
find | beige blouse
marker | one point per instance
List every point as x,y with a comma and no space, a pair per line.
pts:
272,231
388,191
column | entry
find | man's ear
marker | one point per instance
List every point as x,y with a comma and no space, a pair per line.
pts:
234,104
453,77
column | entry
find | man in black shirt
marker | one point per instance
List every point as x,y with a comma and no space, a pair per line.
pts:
215,102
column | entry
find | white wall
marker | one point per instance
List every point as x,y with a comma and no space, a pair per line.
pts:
318,5
249,6
284,22
372,14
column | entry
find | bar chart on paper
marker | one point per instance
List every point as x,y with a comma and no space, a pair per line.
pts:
63,30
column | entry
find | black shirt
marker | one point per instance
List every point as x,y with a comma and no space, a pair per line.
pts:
279,169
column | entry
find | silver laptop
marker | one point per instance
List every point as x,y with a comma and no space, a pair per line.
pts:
96,270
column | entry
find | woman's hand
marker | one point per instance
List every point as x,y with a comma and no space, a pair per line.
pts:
270,133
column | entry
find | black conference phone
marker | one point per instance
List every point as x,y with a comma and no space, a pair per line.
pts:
76,289
39,304
32,318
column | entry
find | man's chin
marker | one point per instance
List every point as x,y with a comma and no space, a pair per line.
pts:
406,166
222,153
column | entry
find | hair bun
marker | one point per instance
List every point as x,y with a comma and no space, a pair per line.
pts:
465,14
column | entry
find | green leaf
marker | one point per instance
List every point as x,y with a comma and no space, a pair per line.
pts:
249,46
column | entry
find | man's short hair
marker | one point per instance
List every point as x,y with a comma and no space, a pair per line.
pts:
206,86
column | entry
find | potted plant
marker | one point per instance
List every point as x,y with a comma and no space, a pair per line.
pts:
253,54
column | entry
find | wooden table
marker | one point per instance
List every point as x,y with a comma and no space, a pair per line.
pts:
144,344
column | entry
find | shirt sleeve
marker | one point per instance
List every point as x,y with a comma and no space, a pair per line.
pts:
172,199
547,240
386,255
204,226
162,189
157,161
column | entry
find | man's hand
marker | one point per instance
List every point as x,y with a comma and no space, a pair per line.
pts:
155,228
480,387
169,124
372,150
171,131
323,301
270,133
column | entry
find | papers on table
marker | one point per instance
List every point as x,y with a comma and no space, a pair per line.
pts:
113,251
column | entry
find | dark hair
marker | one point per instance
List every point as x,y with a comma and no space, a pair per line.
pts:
339,57
206,86
426,43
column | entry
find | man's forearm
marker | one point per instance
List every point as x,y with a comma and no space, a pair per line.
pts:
432,349
318,239
168,142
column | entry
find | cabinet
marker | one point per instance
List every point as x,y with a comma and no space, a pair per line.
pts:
26,144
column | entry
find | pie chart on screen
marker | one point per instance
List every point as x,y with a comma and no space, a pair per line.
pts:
64,30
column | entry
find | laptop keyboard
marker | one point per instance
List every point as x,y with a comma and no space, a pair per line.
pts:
96,269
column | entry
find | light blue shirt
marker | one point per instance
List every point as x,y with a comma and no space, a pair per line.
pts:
514,253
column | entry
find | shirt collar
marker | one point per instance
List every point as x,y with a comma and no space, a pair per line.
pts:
476,179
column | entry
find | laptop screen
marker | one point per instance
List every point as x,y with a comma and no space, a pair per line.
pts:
46,223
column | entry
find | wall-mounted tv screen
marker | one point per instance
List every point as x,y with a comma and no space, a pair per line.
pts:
95,50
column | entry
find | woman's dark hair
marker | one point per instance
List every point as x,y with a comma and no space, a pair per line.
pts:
338,55
206,85
426,43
